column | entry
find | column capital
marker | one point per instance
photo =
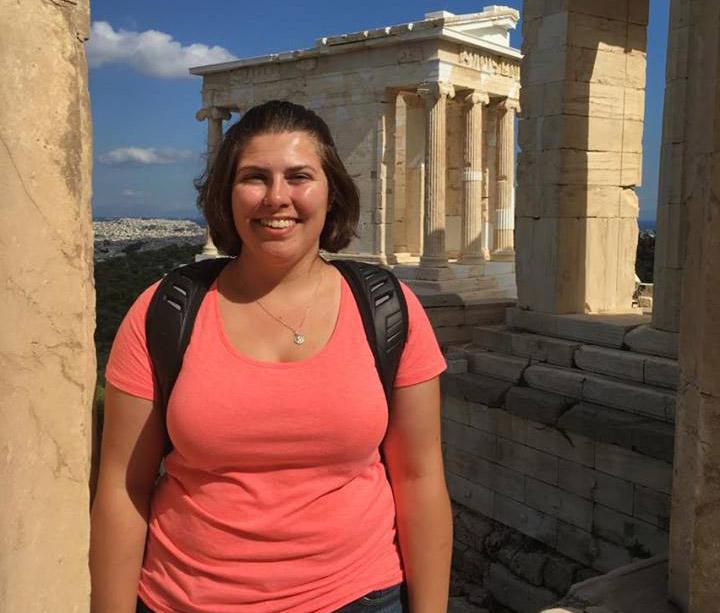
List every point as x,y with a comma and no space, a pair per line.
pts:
509,104
477,97
436,90
212,112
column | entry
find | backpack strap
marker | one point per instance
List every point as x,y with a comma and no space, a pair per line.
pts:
384,313
170,318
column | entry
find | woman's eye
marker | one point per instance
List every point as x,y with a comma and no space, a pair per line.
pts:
252,178
300,177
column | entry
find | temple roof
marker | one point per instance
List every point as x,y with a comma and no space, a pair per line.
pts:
488,29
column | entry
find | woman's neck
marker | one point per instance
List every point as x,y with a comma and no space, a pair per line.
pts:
251,278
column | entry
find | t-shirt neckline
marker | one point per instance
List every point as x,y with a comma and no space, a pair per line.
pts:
220,328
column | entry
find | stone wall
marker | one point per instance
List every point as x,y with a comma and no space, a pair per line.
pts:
554,428
47,355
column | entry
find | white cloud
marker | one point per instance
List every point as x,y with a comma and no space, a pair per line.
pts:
151,53
144,155
133,194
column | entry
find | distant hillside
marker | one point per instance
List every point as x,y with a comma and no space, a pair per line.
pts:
119,281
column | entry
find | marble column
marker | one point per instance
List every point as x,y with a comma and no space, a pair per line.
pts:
471,248
435,96
215,117
505,212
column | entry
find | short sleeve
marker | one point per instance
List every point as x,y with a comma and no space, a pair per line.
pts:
421,359
129,367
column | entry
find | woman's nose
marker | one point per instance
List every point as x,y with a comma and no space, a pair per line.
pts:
278,193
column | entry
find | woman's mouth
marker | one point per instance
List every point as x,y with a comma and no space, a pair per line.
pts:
277,223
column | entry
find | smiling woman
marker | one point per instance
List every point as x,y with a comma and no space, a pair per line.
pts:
276,496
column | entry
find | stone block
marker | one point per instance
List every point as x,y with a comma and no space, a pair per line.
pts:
594,485
601,329
661,372
493,338
496,365
563,381
525,519
482,472
527,460
646,339
543,348
473,496
468,439
651,506
529,565
559,503
558,574
446,316
567,445
516,594
536,405
456,409
508,426
647,436
613,362
633,467
452,334
457,366
600,423
623,11
581,132
476,388
582,546
640,538
654,439
630,397
471,528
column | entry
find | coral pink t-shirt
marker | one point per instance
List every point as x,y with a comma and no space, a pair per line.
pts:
275,497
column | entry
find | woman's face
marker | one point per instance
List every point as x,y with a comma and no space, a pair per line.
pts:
280,197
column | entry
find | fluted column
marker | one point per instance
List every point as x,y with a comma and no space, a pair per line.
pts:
505,212
471,249
435,96
215,117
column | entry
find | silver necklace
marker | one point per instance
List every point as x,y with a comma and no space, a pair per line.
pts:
298,335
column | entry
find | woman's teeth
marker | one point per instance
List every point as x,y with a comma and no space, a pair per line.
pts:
277,223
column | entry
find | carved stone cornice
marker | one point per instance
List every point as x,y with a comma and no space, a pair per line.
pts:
213,112
509,104
435,90
477,97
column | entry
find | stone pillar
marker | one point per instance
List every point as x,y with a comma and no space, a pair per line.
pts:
384,200
671,231
580,154
47,355
435,96
695,517
471,251
505,211
215,117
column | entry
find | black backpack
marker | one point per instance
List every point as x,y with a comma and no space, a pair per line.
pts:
176,301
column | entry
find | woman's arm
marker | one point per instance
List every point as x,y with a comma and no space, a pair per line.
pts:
413,457
132,446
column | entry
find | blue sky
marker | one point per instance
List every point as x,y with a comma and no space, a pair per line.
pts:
148,145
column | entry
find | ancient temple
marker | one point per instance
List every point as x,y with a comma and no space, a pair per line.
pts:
423,114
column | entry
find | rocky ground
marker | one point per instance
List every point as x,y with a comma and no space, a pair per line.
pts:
117,237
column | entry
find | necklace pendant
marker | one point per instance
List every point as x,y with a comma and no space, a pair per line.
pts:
298,338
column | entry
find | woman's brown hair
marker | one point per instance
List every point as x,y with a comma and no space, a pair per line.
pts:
215,185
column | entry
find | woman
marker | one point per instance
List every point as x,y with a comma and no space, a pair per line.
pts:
275,497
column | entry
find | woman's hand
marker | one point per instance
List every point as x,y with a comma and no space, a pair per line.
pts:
413,457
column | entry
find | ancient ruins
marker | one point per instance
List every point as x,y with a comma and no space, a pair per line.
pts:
582,438
423,114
